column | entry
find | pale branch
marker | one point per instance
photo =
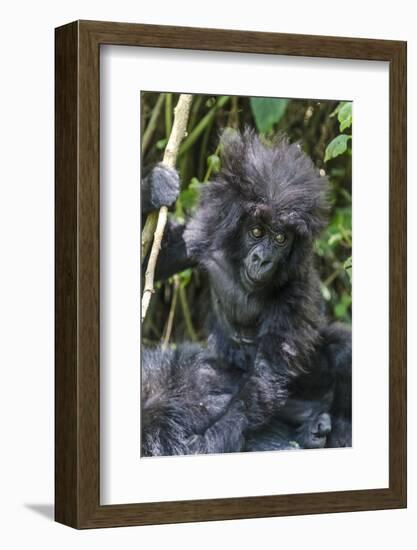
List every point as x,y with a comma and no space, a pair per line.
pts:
179,128
148,232
168,114
206,120
178,131
170,157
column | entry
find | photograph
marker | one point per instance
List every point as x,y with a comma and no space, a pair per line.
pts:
230,274
209,257
246,263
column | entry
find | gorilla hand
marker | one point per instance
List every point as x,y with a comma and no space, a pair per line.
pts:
164,186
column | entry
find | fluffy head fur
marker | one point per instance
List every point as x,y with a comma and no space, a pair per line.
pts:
277,184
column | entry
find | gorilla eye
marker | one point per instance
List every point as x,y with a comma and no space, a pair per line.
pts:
280,238
257,232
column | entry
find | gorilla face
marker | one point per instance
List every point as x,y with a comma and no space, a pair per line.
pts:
301,424
313,434
309,420
265,250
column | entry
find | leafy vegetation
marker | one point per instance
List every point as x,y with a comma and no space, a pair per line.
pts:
323,128
267,112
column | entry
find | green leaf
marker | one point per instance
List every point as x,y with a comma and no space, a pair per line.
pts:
342,217
195,184
185,277
188,197
267,112
334,113
344,115
342,307
334,239
161,143
213,162
337,147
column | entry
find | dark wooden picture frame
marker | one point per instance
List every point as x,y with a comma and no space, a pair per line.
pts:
77,373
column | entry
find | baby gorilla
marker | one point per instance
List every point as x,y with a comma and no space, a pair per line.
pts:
253,233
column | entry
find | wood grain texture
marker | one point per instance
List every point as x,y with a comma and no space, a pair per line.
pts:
66,237
398,274
77,405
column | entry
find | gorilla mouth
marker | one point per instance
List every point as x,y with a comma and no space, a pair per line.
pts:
255,280
250,278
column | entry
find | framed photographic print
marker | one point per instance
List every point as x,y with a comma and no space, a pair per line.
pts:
230,274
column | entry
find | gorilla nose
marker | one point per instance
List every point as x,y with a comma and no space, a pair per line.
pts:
324,425
263,263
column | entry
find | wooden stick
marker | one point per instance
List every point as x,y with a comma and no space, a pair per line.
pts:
178,131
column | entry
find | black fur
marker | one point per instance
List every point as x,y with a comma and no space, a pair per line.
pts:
267,311
338,351
184,393
279,189
159,187
301,424
318,411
